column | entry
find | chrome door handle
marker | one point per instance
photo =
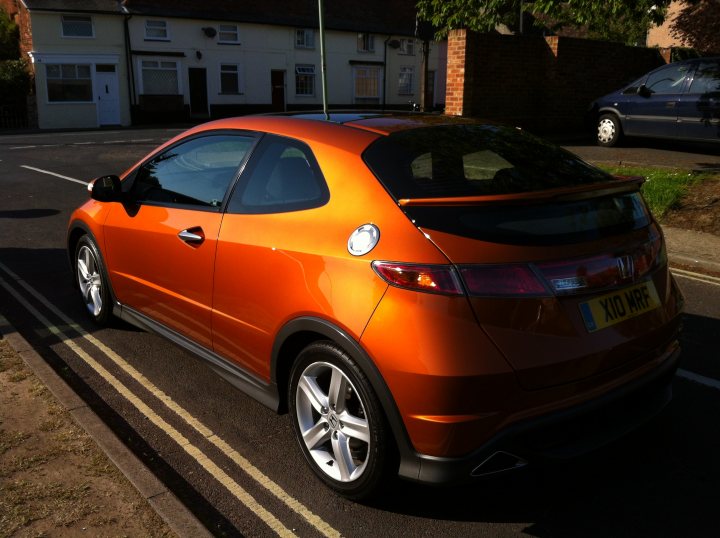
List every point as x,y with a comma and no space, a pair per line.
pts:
193,236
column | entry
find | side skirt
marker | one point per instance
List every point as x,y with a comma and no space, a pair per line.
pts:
255,387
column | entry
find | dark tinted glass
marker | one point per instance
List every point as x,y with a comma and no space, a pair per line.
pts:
473,160
668,79
197,172
707,78
282,176
538,224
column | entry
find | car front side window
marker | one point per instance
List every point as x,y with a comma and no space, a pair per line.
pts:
668,79
194,173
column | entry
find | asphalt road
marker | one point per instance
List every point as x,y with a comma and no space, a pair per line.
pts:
235,463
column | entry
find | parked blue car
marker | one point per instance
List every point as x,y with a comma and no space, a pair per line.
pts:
679,101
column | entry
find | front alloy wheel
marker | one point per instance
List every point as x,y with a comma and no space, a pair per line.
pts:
338,421
91,280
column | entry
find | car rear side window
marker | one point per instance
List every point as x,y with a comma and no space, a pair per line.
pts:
195,173
282,176
473,160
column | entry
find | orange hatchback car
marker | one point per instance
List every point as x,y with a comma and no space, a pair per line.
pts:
427,296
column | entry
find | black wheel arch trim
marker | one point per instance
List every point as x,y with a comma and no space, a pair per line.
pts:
410,460
80,225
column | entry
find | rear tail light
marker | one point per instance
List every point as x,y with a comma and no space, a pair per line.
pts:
539,279
441,279
604,271
502,280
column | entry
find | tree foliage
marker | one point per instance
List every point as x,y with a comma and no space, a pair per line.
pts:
9,38
698,25
615,20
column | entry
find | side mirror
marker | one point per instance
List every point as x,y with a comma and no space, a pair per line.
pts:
105,189
644,91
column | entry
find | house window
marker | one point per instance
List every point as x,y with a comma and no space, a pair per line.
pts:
405,81
228,33
159,77
304,38
156,30
366,79
407,46
366,43
77,26
69,82
304,79
230,78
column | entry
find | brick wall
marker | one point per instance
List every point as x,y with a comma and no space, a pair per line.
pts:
543,84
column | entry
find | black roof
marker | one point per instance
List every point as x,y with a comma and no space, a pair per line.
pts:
395,17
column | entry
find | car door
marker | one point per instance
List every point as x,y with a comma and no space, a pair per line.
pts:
160,244
264,266
654,109
700,109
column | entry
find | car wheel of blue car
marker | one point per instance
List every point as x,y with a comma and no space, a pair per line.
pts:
609,130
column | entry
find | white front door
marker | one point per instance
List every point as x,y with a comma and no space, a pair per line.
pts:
107,94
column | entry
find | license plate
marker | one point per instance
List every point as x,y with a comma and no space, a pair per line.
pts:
618,306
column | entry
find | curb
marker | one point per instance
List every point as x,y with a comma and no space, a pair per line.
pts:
162,500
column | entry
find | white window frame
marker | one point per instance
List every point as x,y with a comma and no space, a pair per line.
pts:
304,38
305,70
48,78
406,80
159,61
238,74
157,24
78,18
407,47
365,42
229,29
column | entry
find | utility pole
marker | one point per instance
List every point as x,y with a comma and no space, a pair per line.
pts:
323,63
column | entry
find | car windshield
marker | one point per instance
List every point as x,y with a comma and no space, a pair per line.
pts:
473,160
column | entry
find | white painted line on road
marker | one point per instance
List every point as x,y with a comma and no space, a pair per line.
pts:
707,279
141,140
296,506
23,147
81,143
53,174
114,142
697,378
241,494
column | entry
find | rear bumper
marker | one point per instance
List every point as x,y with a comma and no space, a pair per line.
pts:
560,434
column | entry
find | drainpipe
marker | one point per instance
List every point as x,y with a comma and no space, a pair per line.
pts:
385,70
128,60
323,63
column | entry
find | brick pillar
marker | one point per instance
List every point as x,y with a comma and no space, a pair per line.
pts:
455,89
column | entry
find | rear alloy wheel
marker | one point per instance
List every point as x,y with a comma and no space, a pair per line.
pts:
91,280
338,421
609,131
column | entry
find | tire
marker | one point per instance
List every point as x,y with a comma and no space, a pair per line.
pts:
609,130
92,280
345,441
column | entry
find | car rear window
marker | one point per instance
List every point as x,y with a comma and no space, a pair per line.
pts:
473,160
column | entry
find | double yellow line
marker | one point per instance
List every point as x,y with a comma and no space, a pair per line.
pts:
202,459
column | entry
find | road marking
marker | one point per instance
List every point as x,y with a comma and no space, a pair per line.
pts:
241,494
23,147
114,142
141,140
256,474
707,279
53,174
697,378
81,143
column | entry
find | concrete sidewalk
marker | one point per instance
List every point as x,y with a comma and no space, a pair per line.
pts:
693,250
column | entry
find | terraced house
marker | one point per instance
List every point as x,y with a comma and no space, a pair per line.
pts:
105,62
